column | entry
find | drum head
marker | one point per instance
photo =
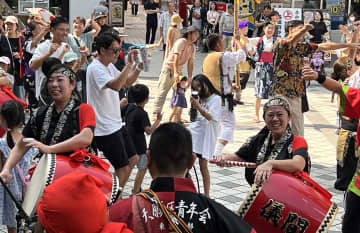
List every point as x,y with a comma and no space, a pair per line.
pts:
42,177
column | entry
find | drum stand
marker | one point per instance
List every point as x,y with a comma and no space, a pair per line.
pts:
24,222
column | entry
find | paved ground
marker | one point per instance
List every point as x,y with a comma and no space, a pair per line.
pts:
228,186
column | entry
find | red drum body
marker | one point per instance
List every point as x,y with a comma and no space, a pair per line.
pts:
52,167
288,203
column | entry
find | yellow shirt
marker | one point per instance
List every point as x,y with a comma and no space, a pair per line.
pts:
242,67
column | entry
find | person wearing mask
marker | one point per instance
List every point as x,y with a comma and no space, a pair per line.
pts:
261,19
226,27
11,46
151,10
165,23
318,33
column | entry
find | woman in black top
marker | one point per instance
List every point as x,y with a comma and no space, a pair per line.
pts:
318,32
151,9
11,47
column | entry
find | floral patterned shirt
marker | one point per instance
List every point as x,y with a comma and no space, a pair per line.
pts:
288,63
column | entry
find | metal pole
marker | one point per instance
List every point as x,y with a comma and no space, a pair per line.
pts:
33,3
349,7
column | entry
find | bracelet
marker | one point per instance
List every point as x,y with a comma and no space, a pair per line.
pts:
321,78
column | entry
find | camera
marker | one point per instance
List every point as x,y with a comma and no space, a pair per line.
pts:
195,94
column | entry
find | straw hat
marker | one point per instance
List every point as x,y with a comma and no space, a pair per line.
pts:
176,20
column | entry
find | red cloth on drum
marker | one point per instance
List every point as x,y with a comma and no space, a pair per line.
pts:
116,227
73,203
79,156
179,195
86,116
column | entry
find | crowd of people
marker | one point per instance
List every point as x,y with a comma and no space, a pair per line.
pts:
85,94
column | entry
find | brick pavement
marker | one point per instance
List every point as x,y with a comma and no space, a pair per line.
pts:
228,184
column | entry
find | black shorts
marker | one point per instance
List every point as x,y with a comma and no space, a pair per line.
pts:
117,147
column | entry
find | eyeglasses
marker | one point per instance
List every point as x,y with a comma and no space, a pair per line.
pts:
115,50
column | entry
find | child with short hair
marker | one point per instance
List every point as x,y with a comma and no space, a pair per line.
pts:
137,123
178,100
12,118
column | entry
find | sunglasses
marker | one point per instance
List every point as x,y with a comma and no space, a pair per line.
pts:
115,50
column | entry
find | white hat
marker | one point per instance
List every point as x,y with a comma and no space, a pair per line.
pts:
5,60
11,19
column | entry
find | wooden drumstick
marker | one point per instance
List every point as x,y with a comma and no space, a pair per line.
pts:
230,163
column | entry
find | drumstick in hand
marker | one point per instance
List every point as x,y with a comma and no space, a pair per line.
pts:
230,163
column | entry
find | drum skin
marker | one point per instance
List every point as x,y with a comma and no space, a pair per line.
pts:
287,204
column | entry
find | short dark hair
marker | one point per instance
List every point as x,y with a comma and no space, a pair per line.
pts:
293,23
273,13
13,113
105,40
267,23
58,20
80,19
171,148
267,7
139,93
212,41
204,81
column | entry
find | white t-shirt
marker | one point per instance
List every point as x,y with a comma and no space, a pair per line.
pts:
40,51
204,133
105,101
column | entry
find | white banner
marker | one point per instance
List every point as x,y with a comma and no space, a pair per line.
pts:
286,15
